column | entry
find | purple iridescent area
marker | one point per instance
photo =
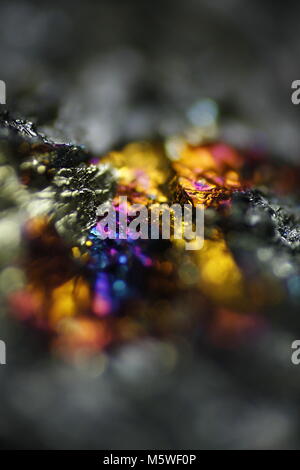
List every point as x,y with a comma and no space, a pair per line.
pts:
116,264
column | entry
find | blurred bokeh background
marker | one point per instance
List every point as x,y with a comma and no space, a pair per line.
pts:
109,71
101,74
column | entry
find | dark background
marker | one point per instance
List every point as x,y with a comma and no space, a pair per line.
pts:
109,71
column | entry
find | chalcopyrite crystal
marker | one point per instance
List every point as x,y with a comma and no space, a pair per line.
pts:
91,294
